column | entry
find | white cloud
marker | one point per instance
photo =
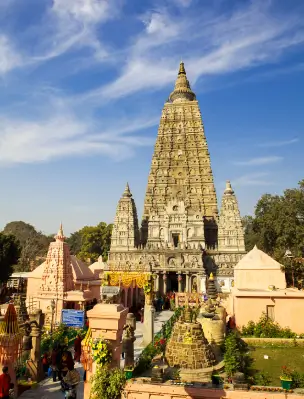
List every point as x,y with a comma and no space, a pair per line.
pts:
62,134
259,161
9,58
279,143
253,179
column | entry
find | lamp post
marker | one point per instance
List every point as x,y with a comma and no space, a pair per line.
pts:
288,254
53,312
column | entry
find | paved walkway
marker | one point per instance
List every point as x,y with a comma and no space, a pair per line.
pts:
48,389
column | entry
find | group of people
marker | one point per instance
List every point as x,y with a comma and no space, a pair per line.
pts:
61,364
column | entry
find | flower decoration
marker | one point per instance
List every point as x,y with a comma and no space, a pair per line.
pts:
101,352
160,344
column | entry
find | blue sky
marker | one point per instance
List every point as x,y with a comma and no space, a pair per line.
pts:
83,83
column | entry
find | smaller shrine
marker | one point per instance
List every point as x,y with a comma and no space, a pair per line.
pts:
62,282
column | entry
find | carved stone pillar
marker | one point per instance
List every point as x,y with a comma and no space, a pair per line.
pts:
187,282
165,283
180,280
34,365
156,283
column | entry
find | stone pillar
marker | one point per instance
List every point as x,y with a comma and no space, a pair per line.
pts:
187,282
34,364
200,285
165,283
106,321
148,334
156,283
179,279
128,340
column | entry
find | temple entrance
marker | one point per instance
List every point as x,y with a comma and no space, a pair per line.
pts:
175,238
172,282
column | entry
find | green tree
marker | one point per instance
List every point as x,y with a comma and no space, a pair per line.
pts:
9,254
34,245
90,242
278,225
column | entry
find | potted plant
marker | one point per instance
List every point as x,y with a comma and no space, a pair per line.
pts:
128,372
286,377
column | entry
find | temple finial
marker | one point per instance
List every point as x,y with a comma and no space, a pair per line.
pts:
228,189
60,236
127,192
211,277
182,90
182,68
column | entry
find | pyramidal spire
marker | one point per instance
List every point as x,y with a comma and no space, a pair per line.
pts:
60,236
182,90
127,192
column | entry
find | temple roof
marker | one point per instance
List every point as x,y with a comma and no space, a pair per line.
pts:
182,90
257,259
79,269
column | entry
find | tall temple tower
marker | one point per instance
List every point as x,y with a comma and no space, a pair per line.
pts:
182,236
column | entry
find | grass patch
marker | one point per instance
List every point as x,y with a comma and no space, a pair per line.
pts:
278,357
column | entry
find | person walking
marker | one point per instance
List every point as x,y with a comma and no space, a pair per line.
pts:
77,348
5,383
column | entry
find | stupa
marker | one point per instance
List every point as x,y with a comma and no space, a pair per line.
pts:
180,219
189,350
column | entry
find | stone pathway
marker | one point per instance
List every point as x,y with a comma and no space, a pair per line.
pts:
48,389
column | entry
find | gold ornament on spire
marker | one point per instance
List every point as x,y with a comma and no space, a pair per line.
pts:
182,90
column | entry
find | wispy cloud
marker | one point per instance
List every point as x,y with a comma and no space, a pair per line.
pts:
253,179
279,143
247,37
259,161
60,132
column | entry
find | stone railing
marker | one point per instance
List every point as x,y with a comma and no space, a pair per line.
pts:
140,390
274,341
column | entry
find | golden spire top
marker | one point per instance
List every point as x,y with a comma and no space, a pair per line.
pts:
211,276
182,68
182,90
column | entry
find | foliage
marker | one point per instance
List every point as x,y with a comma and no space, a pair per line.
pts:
236,358
147,287
61,334
262,378
266,328
278,224
160,345
286,373
90,242
297,380
34,244
101,352
146,356
9,254
107,383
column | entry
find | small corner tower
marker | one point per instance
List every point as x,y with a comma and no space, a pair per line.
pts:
230,228
125,234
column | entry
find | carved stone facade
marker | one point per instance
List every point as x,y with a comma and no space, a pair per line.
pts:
180,219
230,228
125,233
